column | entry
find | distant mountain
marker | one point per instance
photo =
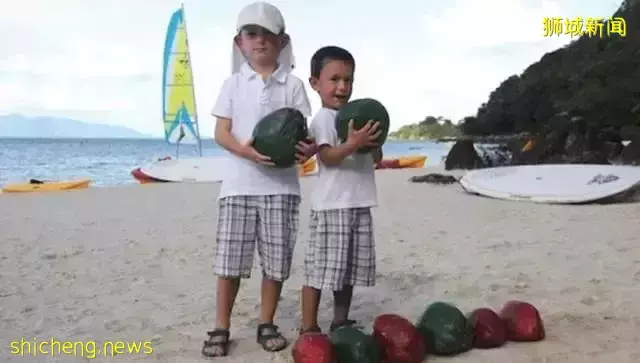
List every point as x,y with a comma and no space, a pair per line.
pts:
21,126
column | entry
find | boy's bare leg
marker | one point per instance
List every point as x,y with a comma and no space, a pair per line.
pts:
342,304
226,293
270,294
310,303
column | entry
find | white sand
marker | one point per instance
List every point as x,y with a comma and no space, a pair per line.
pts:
134,264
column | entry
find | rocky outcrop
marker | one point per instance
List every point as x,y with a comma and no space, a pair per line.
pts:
565,140
463,155
573,142
630,155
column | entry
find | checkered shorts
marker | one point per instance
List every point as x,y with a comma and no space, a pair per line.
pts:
341,249
268,222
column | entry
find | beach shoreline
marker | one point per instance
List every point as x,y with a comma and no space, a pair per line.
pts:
134,263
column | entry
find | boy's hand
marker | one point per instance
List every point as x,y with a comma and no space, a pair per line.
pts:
306,149
249,153
365,136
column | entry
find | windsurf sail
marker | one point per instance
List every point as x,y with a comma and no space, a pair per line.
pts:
178,93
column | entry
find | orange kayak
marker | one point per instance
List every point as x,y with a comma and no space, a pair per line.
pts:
307,168
404,162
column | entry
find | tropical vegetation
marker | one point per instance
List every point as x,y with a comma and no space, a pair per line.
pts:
595,78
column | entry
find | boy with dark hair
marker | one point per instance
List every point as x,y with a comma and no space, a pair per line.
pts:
341,249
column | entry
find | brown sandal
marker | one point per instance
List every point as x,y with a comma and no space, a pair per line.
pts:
267,334
217,345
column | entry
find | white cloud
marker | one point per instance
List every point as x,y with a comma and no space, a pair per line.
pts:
488,23
100,61
475,45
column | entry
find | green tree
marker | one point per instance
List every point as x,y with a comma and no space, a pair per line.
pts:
593,77
429,128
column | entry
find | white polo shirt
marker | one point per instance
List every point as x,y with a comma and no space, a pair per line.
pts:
352,183
245,98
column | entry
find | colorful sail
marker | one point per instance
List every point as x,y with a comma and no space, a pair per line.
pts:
178,96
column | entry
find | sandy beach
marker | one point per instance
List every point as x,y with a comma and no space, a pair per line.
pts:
135,264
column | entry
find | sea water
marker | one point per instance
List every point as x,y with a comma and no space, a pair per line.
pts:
109,162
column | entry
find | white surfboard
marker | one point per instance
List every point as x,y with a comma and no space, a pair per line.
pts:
198,169
553,184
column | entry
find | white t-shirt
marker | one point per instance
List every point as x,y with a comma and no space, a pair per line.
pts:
245,98
352,184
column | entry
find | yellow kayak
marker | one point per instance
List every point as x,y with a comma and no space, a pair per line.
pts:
46,186
417,161
404,162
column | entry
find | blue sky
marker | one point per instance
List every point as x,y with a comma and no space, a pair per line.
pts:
100,60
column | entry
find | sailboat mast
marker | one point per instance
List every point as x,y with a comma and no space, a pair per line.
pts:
193,81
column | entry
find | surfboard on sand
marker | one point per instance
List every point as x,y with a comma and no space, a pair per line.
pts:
204,169
553,184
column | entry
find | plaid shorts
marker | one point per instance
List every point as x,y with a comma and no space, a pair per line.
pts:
268,222
341,249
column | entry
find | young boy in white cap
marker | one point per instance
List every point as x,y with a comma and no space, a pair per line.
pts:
258,204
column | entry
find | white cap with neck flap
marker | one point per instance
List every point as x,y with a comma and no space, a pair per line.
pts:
269,17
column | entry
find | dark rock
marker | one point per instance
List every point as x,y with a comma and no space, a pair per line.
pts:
530,152
630,132
516,146
564,140
607,141
573,142
558,124
630,155
434,178
612,150
545,149
554,144
463,155
612,134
